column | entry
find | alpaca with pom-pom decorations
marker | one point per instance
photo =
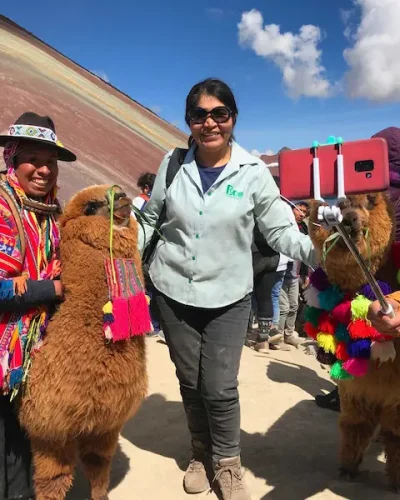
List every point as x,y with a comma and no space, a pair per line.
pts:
364,363
89,377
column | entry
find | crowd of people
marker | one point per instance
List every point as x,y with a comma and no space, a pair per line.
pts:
229,271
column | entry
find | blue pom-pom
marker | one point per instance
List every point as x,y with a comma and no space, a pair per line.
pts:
359,349
108,318
367,291
6,289
16,377
330,298
341,333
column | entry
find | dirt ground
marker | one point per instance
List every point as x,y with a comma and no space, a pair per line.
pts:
289,445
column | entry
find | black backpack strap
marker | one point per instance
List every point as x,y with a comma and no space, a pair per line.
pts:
175,163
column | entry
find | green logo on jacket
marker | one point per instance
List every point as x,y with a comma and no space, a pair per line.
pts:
231,191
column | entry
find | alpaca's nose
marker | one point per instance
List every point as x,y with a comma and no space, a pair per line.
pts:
352,220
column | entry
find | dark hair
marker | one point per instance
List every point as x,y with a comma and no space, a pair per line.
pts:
146,179
213,88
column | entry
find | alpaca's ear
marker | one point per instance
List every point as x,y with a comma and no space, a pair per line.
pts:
372,200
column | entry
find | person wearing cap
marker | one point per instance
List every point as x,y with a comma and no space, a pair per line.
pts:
30,283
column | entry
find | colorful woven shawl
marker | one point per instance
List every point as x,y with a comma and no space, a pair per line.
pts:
21,334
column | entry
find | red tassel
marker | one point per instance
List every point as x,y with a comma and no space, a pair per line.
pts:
120,328
341,352
359,329
139,314
342,312
310,330
326,325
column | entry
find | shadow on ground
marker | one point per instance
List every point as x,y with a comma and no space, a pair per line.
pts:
297,456
119,469
301,376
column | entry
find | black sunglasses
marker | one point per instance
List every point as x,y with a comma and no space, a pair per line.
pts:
220,114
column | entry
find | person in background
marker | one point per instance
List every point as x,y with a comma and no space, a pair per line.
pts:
30,285
145,183
289,292
203,275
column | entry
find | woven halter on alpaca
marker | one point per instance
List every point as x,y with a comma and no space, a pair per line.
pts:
338,322
126,314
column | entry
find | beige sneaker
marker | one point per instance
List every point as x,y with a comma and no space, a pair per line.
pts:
228,474
293,340
195,479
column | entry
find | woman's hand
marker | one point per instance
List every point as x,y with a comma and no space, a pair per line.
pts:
385,324
59,289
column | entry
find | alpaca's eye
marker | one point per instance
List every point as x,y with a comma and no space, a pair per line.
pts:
92,207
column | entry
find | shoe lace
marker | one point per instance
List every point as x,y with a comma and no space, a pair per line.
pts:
230,478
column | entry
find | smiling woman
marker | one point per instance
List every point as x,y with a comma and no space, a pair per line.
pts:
30,283
203,277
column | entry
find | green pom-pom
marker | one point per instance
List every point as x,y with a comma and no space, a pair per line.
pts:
339,373
359,307
312,315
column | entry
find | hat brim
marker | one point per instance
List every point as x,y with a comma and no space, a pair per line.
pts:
63,154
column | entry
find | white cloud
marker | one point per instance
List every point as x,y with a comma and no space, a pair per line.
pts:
101,74
268,152
297,55
374,57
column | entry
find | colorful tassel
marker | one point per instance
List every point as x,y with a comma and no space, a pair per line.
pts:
342,334
330,298
341,352
326,325
326,358
383,351
310,330
311,297
120,327
319,279
139,314
359,349
339,373
367,291
108,308
312,315
327,342
359,308
359,330
342,312
358,367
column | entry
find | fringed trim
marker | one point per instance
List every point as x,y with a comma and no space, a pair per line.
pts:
126,317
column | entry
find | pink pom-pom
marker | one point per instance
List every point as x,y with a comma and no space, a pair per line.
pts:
342,312
358,367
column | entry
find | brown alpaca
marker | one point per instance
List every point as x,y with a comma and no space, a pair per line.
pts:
374,399
82,389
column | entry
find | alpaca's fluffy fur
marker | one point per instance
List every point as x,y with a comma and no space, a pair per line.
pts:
374,399
81,390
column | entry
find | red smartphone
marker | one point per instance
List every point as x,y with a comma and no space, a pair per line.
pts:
365,167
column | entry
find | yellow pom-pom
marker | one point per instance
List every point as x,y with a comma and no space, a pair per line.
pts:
108,308
327,342
359,307
148,300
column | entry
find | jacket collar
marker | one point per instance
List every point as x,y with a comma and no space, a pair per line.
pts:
239,158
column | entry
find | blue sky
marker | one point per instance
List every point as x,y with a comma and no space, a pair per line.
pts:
156,50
